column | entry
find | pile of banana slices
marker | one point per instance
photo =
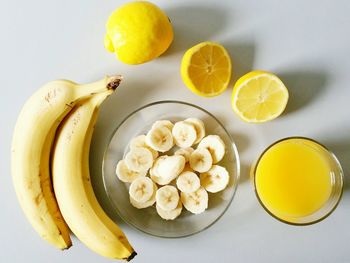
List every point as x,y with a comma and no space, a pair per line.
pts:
184,178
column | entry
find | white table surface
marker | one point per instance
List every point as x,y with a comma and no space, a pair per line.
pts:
306,43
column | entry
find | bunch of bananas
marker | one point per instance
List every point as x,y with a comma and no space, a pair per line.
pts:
52,140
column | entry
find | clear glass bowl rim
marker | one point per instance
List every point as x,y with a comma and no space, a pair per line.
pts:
234,149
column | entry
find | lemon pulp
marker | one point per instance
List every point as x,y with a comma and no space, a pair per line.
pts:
259,96
206,69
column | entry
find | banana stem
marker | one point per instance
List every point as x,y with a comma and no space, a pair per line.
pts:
113,81
133,254
107,83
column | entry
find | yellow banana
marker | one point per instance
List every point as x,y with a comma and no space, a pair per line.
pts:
32,140
72,186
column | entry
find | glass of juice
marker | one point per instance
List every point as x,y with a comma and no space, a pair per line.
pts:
298,181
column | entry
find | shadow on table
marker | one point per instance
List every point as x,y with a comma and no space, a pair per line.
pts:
245,174
194,24
341,148
242,56
304,87
242,141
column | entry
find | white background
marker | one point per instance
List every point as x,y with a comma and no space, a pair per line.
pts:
306,43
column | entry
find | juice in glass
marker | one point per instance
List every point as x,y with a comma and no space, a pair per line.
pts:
298,181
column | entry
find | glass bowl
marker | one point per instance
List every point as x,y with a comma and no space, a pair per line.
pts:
147,220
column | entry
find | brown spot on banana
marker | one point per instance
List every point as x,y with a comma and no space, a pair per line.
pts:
69,106
30,184
51,95
38,198
86,178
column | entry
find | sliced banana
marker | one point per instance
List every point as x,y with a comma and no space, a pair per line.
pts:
184,134
141,189
166,123
148,203
195,202
169,215
216,179
167,197
199,126
171,166
193,170
167,168
201,160
140,141
188,168
139,159
160,138
154,170
185,152
125,174
215,145
188,182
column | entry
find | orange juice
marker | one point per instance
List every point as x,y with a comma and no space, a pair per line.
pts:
293,178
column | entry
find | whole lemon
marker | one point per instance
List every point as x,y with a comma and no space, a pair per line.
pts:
138,32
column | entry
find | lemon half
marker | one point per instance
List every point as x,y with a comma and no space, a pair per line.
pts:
259,96
206,69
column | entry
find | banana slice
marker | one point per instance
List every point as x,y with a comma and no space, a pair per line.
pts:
139,159
184,134
154,170
215,145
188,182
215,180
166,123
195,202
170,215
185,152
201,160
188,168
199,126
167,197
146,204
125,174
140,141
160,138
167,168
141,189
